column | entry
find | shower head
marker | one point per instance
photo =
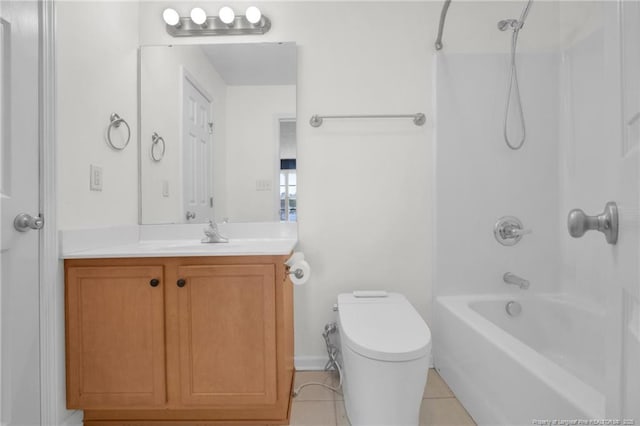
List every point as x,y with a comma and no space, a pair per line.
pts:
515,24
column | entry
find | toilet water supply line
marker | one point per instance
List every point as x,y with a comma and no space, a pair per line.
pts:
332,363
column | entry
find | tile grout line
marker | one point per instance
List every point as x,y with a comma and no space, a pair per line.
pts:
440,397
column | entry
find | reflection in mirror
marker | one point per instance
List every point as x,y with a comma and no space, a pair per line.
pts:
227,116
288,169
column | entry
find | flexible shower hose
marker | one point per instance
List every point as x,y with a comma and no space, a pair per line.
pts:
514,87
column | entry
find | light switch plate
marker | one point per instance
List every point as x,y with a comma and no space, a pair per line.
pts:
95,178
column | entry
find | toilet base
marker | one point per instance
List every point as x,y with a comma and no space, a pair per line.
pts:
383,393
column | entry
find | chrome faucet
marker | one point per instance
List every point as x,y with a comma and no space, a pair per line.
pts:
508,230
510,278
212,234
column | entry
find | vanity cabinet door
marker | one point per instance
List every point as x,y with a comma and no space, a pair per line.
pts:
227,335
115,336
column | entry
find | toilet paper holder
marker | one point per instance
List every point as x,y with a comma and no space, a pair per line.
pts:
298,272
297,269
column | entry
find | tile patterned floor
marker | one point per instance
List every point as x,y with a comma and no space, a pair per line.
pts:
317,406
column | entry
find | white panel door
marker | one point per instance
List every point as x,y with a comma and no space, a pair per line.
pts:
19,188
196,151
622,74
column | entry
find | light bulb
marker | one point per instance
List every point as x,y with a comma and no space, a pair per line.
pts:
226,15
171,17
198,16
253,14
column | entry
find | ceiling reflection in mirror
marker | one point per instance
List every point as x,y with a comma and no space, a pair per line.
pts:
218,133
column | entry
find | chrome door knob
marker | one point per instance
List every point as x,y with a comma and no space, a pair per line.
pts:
24,222
579,223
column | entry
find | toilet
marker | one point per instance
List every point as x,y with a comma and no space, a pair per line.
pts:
385,347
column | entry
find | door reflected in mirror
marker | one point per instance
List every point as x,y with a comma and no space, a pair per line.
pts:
226,114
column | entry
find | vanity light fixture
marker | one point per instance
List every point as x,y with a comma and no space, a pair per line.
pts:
199,16
227,15
253,15
226,23
171,17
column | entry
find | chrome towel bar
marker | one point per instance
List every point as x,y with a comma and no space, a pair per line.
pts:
418,119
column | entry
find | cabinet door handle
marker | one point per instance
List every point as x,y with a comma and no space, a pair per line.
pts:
154,282
181,283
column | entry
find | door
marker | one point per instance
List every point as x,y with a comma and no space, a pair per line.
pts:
623,302
19,192
227,334
115,336
197,153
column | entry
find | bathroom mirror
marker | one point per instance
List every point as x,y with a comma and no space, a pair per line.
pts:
218,133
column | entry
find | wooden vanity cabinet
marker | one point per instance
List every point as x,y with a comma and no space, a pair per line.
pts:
115,336
185,340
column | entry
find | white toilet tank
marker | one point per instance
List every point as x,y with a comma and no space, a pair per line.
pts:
385,347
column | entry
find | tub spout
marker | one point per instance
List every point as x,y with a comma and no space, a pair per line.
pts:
510,278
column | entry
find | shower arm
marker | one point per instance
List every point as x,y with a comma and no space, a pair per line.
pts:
443,17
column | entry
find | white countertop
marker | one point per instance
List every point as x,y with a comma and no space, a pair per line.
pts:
177,248
176,241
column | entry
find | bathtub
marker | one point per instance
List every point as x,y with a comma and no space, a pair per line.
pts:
544,364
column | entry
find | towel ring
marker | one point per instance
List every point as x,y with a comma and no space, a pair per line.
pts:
156,139
115,121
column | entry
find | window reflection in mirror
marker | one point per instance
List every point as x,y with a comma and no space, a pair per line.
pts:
288,212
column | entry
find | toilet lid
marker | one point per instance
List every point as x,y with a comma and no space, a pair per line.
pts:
384,328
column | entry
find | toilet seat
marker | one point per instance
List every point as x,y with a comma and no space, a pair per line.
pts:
383,328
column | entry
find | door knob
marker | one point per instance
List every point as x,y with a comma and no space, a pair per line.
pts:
191,215
24,222
579,223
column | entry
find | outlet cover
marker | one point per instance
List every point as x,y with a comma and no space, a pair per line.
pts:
165,188
95,178
263,185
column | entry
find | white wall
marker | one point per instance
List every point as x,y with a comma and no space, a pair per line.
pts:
161,112
96,71
253,151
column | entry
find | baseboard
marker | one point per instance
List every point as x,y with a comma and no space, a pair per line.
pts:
306,363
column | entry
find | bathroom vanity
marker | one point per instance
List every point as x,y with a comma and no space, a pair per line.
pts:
177,333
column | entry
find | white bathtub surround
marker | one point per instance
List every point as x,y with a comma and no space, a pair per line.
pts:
510,370
569,354
246,239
